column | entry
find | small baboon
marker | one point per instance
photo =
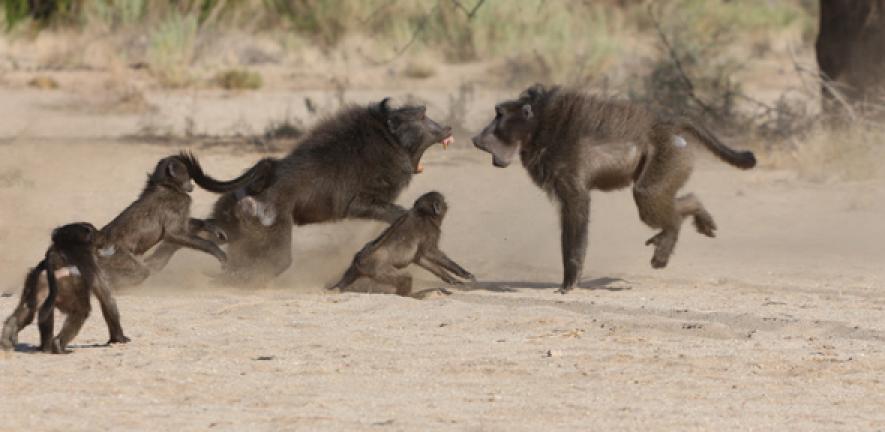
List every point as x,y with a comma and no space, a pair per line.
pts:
353,164
71,275
241,215
411,239
571,143
162,213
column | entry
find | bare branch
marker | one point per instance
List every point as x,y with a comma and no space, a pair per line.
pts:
470,13
825,83
674,57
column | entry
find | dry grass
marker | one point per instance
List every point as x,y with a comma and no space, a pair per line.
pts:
850,153
43,82
238,79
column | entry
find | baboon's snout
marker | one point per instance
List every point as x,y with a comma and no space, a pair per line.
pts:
477,142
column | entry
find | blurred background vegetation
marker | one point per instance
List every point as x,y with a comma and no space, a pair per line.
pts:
746,67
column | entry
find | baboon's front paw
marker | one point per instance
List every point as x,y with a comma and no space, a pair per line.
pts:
659,262
565,289
469,276
118,339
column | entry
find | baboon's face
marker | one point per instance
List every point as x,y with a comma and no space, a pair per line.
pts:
432,204
414,130
172,172
513,125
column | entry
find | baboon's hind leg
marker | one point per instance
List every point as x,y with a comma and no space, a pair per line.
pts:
664,174
20,318
690,205
350,276
73,322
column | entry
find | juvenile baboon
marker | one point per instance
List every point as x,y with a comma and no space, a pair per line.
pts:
241,215
571,142
162,213
353,164
411,239
71,275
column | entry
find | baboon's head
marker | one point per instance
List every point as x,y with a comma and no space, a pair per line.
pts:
173,173
514,123
432,204
414,130
80,233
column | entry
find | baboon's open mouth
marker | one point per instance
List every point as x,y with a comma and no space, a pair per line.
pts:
446,142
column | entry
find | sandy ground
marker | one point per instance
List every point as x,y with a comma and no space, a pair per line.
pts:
777,324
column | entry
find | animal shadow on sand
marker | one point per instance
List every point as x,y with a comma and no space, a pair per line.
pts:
35,349
603,283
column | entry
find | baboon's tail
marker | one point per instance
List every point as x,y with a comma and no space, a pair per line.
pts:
741,159
350,276
261,170
31,287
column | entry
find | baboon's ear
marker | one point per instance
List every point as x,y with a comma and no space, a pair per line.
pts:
384,106
534,92
527,111
170,169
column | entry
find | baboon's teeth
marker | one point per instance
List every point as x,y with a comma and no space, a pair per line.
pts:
447,141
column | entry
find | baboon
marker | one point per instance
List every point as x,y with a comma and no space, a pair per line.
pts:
353,164
162,213
240,215
71,275
411,239
571,143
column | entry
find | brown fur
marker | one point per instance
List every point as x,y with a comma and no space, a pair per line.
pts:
571,143
73,246
411,239
162,213
352,164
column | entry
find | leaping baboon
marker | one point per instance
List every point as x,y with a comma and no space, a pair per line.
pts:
162,213
411,239
571,143
353,164
71,276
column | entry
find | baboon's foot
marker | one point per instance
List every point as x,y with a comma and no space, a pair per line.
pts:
661,257
118,340
704,223
9,338
7,345
56,348
565,288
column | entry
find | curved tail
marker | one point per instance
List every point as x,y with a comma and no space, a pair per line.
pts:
31,284
741,159
262,169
